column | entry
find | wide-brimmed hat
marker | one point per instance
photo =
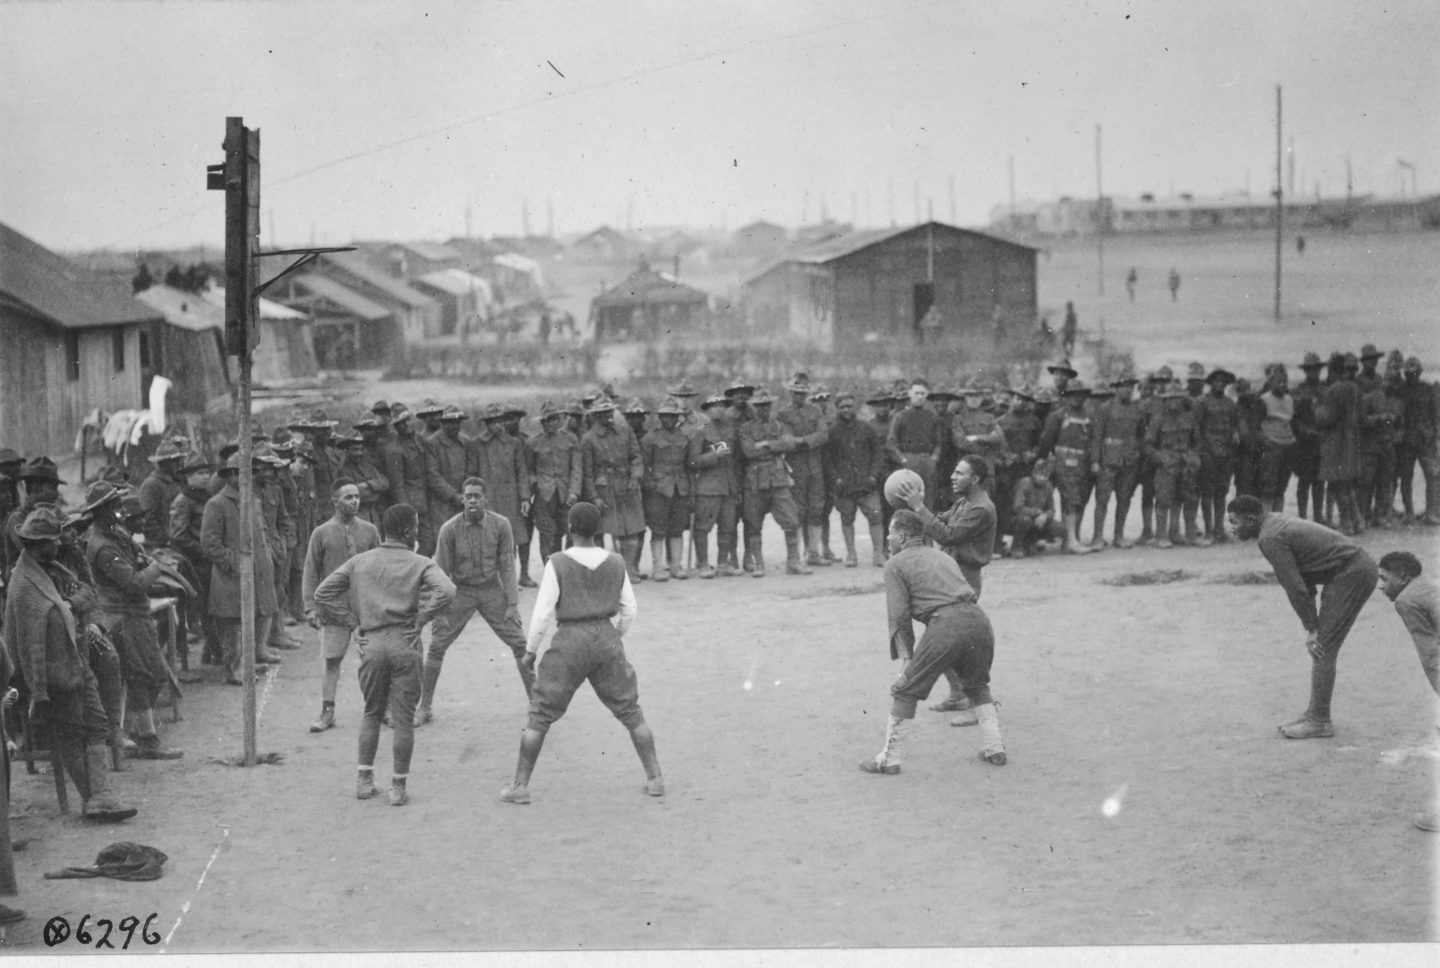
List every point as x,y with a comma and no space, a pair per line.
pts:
574,407
681,390
369,422
42,523
452,412
761,398
282,441
493,411
799,383
79,519
514,412
601,404
429,408
1312,361
380,407
548,410
40,469
1063,367
1195,372
320,420
1076,387
1243,388
1124,380
350,438
265,454
1350,361
671,406
714,400
101,493
738,387
1162,375
8,456
1045,395
1220,373
1370,352
1413,365
1027,392
945,396
882,395
636,406
167,451
819,392
195,462
131,507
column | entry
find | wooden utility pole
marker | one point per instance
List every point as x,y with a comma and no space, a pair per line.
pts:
1279,202
1099,214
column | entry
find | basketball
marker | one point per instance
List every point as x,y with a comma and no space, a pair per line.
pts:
892,485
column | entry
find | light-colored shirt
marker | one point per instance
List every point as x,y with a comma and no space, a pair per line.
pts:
1279,412
542,619
331,545
919,580
386,587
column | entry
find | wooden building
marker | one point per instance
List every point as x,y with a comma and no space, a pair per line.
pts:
69,344
924,284
417,314
187,348
647,305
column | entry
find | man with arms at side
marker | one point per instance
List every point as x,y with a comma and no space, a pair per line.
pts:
331,545
586,596
388,593
1305,554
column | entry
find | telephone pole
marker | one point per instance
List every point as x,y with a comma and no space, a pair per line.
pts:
1279,201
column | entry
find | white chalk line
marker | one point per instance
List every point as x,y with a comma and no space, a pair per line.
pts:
185,908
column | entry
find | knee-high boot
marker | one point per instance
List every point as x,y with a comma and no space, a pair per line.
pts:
847,531
813,556
877,545
657,559
701,542
755,555
675,550
794,564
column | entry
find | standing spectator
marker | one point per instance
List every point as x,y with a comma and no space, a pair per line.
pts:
499,460
1338,417
220,540
555,476
666,490
451,464
1131,278
389,593
158,491
711,456
918,435
411,464
1115,458
1174,284
806,423
1068,331
1218,421
1277,437
332,544
361,467
187,512
765,442
855,460
1067,435
612,472
8,887
1305,456
1173,446
1420,444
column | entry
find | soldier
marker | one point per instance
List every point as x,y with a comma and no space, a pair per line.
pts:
555,476
158,491
499,460
1115,459
684,393
855,459
1377,451
820,396
918,434
1150,406
1067,436
882,405
1060,374
327,459
1305,456
123,576
301,471
636,415
450,455
739,393
612,472
42,486
1217,419
666,490
976,432
513,416
278,508
1033,511
947,405
1422,421
765,441
806,423
10,465
710,456
187,511
380,445
1338,417
361,467
1394,384
1173,446
429,414
1250,413
1022,444
411,465
1368,378
1277,437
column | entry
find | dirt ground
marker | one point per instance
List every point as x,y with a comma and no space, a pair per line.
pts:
1160,699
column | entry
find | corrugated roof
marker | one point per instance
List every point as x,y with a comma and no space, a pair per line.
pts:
359,267
649,286
434,251
185,310
269,309
340,295
49,286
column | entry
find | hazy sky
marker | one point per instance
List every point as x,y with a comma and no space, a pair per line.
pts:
384,120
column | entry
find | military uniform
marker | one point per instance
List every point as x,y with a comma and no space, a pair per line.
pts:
666,494
1150,405
1305,455
499,460
1067,436
1173,445
855,458
450,465
360,467
712,456
1377,452
555,480
612,471
765,442
807,424
1117,451
1218,421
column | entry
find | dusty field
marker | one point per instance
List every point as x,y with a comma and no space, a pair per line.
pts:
764,695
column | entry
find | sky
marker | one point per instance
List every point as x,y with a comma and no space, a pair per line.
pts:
393,120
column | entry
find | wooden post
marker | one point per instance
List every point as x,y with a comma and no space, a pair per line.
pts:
1279,202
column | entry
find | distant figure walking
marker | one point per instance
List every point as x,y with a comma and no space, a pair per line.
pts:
1067,331
1130,281
1300,244
1174,284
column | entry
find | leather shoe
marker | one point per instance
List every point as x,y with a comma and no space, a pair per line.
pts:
994,759
1307,728
655,786
149,748
870,766
515,794
365,786
326,721
952,704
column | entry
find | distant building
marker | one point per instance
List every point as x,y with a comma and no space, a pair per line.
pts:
881,284
411,260
69,344
604,245
349,331
285,352
760,236
647,305
466,300
417,314
187,348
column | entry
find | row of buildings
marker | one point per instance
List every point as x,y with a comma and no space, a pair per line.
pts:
1187,212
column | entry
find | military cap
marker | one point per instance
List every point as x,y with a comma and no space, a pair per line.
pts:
799,383
130,506
40,469
1412,365
574,407
762,398
493,411
195,461
671,406
320,420
1312,361
820,392
79,519
1162,375
350,439
946,396
601,404
369,422
1102,390
1220,373
115,474
282,440
1195,373
398,414
738,388
682,390
381,408
636,405
1026,392
101,493
1350,362
229,447
881,395
429,409
1076,387
1063,367
452,412
167,451
714,400
1124,380
41,523
1370,352
548,411
8,457
1395,361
